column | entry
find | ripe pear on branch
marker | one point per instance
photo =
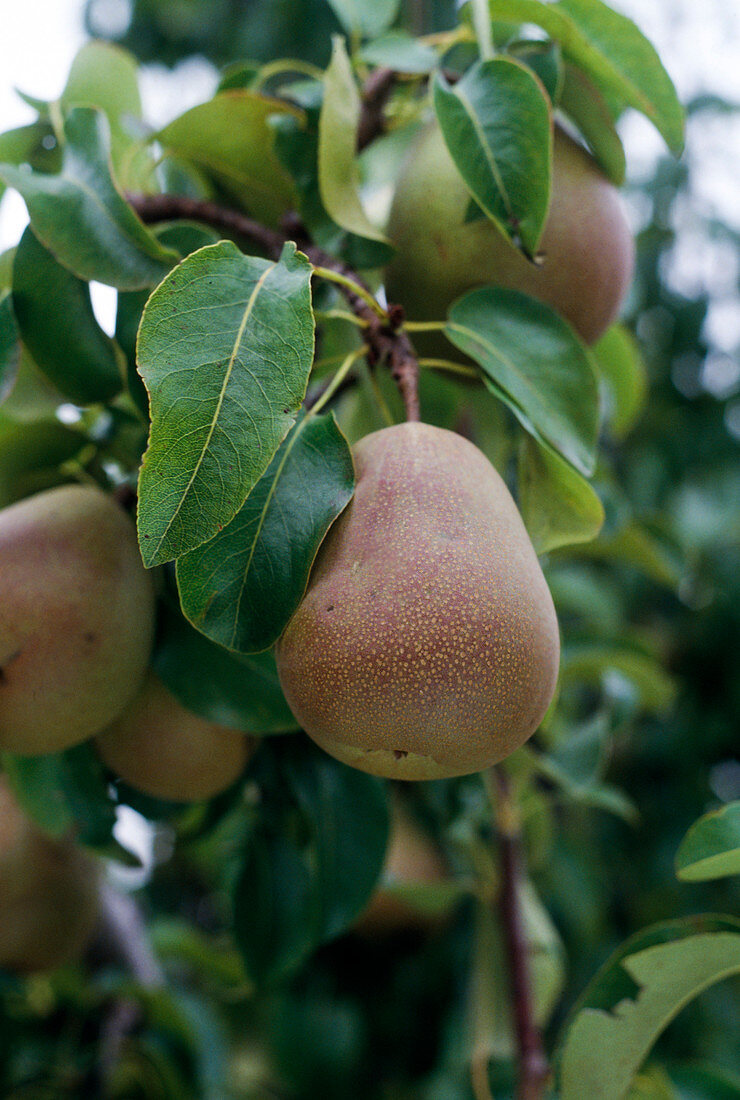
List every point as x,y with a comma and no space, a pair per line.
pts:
76,618
426,644
162,749
48,894
586,253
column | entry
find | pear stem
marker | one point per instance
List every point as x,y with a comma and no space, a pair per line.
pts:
533,1068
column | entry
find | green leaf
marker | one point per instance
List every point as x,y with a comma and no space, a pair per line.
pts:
610,49
272,907
225,350
497,126
230,139
635,996
582,101
401,52
534,362
66,790
242,692
58,326
558,506
35,145
366,18
107,77
31,454
10,346
241,588
313,857
347,812
546,62
81,216
623,378
711,847
338,167
592,662
636,545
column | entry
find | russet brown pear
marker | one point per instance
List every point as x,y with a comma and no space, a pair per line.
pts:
427,643
164,750
76,618
48,894
587,252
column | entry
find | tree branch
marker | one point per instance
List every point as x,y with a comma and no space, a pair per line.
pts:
123,937
383,335
375,93
533,1069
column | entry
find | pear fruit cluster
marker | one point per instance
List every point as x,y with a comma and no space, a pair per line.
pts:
77,621
48,894
426,644
587,251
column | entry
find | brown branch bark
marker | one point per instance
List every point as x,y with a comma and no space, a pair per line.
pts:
375,93
533,1068
386,342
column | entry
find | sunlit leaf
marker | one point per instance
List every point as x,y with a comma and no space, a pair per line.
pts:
230,139
558,506
711,847
635,996
337,151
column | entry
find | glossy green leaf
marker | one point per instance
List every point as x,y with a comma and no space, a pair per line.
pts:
531,358
497,126
582,101
241,588
58,326
711,847
230,139
347,812
273,907
105,76
366,18
401,52
337,151
558,506
31,454
623,377
635,996
232,689
225,350
611,50
81,216
10,346
312,859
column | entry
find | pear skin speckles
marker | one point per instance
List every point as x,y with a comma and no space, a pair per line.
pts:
427,643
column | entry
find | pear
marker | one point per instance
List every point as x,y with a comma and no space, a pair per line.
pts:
160,748
587,252
48,894
426,644
76,618
412,860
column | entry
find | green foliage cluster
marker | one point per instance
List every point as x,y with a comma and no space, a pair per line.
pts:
210,401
